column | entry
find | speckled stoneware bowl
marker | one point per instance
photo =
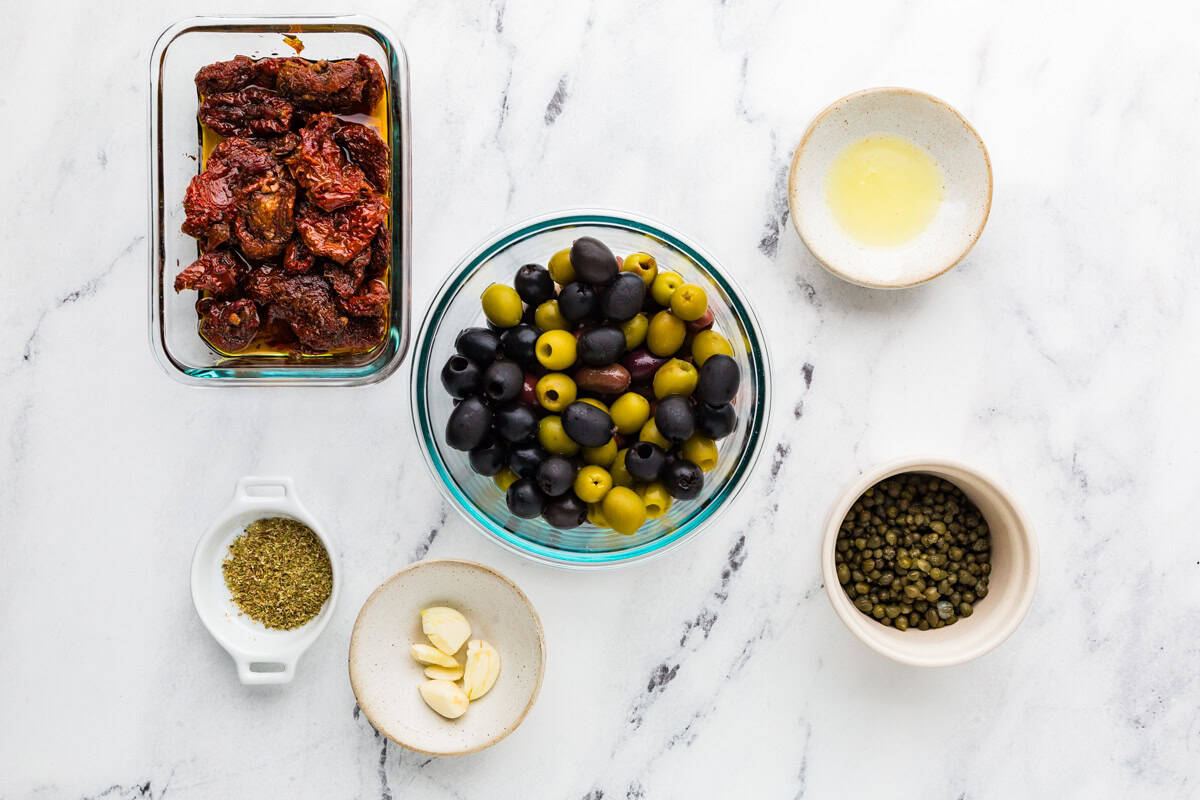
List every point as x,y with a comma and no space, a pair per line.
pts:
1011,586
931,124
385,677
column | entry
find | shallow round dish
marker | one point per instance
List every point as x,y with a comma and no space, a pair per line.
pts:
261,655
385,678
457,306
1011,587
933,125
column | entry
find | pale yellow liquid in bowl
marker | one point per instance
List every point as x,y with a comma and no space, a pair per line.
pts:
884,189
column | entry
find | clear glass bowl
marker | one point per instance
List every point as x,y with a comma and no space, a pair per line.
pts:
457,307
175,159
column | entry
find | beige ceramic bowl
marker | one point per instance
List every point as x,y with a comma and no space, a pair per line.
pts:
385,677
1013,578
930,123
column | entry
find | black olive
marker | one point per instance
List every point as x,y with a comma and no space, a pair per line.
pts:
555,476
587,425
624,297
600,347
682,478
478,344
524,459
565,512
514,422
718,381
502,381
593,261
518,343
461,377
468,425
715,422
674,419
534,285
577,301
645,461
525,499
488,458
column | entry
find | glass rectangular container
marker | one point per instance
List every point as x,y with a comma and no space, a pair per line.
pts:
175,158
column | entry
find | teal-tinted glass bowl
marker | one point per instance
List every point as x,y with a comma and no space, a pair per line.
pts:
457,306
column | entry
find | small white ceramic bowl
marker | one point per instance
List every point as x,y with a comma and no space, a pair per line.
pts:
931,124
1010,589
385,678
262,655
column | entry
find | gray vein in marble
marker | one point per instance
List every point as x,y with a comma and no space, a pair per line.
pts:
665,672
555,106
88,289
422,549
768,245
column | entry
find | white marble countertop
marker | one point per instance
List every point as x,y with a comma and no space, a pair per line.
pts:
1062,356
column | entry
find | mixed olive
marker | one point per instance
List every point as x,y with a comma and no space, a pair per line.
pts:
598,391
914,552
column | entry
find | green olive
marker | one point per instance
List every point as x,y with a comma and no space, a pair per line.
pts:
556,349
709,343
664,286
675,377
620,475
502,305
601,456
624,510
665,334
560,267
554,438
592,484
595,516
548,317
635,329
701,451
643,264
555,391
657,499
689,302
504,479
649,433
629,412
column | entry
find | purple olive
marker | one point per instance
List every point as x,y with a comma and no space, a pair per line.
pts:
642,364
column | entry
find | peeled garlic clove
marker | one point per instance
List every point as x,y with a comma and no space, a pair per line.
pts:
446,628
481,670
444,673
424,654
445,698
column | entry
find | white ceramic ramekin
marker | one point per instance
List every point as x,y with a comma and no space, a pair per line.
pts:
1011,587
260,654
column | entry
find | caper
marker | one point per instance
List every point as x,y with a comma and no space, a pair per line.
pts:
916,546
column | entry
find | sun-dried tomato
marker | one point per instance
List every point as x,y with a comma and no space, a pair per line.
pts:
320,167
340,235
305,302
211,200
346,279
230,326
226,76
297,257
367,151
343,87
264,223
216,272
369,303
250,112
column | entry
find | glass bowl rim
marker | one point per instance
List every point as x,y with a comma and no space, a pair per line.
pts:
466,267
